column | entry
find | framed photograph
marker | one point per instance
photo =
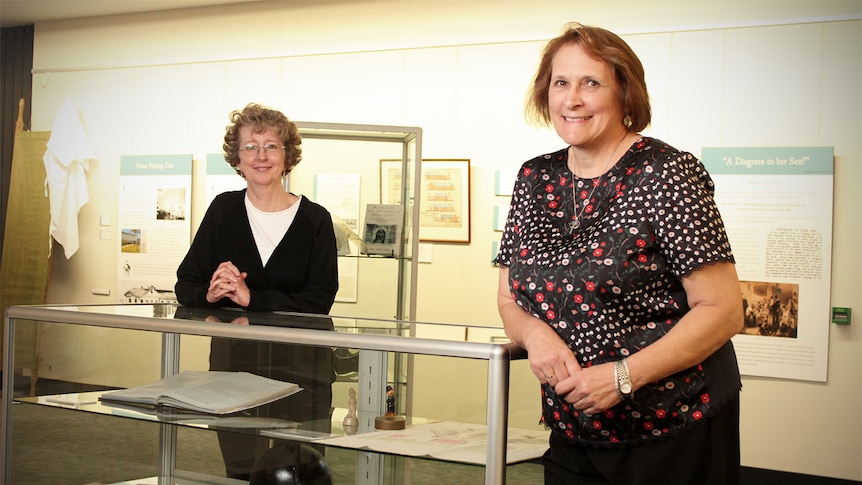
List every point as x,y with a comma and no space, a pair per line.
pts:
444,201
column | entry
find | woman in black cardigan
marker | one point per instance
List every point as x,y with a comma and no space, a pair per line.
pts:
264,249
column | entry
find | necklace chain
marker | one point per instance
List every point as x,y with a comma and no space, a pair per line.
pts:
576,221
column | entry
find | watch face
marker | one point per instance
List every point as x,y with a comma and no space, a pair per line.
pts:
626,388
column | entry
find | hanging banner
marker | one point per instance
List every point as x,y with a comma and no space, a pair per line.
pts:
155,202
777,206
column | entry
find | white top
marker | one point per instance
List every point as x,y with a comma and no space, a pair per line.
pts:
269,228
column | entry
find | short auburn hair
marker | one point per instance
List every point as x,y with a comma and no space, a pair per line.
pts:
603,45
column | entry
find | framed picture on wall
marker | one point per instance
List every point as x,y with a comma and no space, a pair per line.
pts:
444,199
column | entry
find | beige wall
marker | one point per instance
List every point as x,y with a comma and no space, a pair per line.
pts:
720,73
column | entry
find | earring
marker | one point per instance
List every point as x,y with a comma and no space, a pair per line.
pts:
627,121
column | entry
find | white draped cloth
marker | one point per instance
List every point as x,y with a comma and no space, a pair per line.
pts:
66,162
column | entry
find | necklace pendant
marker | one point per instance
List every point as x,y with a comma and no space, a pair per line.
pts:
574,225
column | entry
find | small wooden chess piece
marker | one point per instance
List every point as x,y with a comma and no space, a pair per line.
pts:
390,420
351,421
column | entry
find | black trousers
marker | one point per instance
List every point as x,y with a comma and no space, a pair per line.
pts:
706,455
309,367
241,451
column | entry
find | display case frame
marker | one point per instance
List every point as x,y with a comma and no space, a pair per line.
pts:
410,140
497,355
396,275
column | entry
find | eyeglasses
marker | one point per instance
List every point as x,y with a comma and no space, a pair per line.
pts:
251,149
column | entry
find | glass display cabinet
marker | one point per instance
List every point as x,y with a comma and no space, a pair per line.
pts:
343,170
457,429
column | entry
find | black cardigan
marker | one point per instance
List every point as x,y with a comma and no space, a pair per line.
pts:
300,276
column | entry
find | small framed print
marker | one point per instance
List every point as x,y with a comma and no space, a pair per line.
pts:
444,199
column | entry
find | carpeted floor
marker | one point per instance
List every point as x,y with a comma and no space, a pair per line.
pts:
56,446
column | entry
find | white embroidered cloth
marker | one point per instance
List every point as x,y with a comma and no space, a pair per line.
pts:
66,162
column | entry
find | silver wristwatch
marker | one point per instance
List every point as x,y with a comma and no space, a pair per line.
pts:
623,379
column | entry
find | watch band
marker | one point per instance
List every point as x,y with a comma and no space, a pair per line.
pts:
623,379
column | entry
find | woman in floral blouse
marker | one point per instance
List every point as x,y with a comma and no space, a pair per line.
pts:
617,277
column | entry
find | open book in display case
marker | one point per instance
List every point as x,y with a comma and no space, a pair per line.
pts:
148,342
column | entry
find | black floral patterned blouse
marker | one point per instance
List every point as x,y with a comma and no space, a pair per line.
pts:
606,276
